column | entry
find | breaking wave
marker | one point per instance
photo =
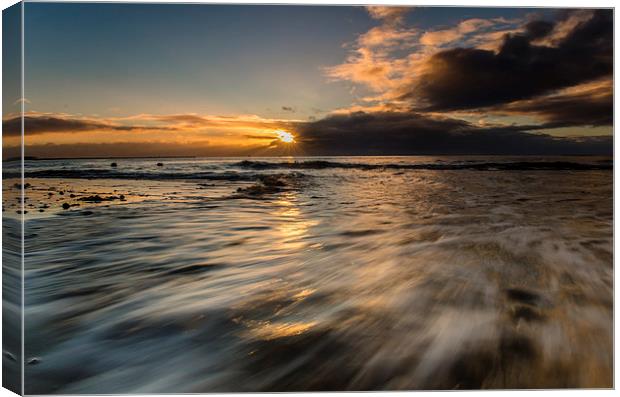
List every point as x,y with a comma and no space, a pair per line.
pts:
113,174
466,165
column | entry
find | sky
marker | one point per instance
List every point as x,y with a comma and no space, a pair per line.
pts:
106,79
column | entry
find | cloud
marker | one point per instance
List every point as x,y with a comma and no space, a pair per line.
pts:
196,122
394,133
51,123
377,61
390,15
57,134
367,67
445,36
36,125
376,131
586,105
370,62
260,137
556,72
439,37
481,87
19,101
567,22
387,36
462,78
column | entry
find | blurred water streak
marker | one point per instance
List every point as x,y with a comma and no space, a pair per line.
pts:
335,278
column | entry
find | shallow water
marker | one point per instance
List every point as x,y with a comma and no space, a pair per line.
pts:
374,275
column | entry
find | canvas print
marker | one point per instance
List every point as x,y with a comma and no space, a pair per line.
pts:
205,198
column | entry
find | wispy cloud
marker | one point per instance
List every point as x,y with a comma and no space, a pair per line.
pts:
37,124
468,31
371,61
390,15
19,101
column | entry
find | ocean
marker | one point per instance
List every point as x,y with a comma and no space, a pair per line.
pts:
307,274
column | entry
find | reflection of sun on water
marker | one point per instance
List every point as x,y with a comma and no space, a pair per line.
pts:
293,226
272,330
283,293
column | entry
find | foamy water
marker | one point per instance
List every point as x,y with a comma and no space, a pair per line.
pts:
321,274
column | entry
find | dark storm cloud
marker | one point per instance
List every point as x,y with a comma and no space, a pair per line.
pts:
34,125
468,78
537,29
587,109
393,133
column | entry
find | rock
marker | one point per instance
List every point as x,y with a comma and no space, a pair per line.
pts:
160,164
272,180
66,206
122,197
97,198
268,184
72,195
93,199
113,165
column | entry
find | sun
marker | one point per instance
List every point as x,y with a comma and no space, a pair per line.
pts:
285,137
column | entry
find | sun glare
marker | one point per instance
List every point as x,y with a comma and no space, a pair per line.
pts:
285,137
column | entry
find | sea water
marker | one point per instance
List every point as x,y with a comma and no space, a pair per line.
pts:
299,274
